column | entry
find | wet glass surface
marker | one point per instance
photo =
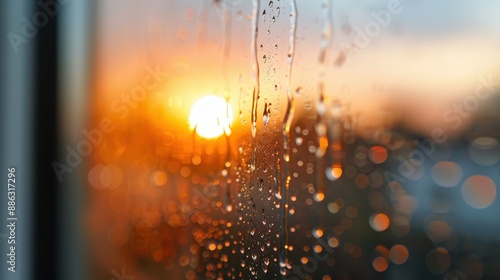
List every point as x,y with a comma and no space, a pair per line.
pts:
295,140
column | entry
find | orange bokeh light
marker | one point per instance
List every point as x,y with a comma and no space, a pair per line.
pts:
336,172
380,264
379,222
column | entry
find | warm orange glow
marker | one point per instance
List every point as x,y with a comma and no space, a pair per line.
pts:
320,196
160,178
211,117
380,264
318,233
323,143
378,154
336,172
379,222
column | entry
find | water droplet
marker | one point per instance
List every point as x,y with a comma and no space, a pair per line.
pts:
252,230
267,113
255,67
264,58
278,196
254,256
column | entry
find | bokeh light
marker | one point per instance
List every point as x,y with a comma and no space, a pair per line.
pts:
446,173
479,191
399,254
380,264
438,260
379,222
484,151
377,154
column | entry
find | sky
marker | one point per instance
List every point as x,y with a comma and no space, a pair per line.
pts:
428,57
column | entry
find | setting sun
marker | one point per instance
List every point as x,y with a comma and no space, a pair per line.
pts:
211,116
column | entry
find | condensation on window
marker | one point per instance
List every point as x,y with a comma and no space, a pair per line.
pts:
292,139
